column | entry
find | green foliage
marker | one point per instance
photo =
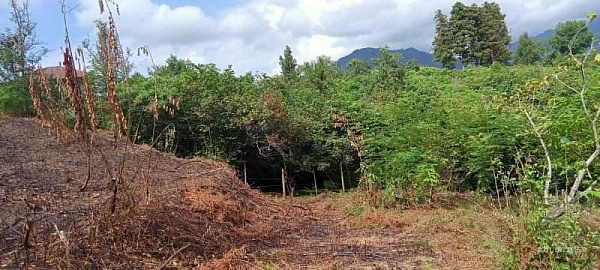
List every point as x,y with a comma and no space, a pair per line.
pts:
389,73
575,35
493,38
288,64
422,244
464,31
354,210
528,51
409,132
563,243
20,50
13,100
476,34
358,67
442,43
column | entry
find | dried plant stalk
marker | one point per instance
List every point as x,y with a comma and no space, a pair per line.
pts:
37,104
75,93
89,97
45,85
113,56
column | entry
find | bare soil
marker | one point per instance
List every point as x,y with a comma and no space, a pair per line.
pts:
172,213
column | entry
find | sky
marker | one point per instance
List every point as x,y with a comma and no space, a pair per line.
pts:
251,34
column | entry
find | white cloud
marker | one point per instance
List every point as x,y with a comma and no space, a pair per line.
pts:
252,35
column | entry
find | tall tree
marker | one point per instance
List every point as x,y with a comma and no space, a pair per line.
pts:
442,43
288,64
478,34
528,51
463,24
574,34
493,38
20,49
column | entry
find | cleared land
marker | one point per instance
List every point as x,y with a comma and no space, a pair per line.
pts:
197,210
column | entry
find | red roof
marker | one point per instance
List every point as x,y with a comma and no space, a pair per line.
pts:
58,72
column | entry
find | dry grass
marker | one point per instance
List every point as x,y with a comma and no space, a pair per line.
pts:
455,233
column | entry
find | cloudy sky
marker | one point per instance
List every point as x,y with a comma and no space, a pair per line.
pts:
251,34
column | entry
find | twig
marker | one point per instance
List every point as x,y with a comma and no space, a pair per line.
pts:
202,174
186,163
164,264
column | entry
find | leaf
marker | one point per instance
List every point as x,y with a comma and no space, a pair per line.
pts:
592,15
597,59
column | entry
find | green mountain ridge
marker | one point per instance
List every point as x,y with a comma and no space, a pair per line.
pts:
426,58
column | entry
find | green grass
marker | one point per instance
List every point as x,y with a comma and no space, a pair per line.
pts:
354,210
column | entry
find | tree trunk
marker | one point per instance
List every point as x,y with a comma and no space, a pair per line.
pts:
315,180
342,176
245,174
283,181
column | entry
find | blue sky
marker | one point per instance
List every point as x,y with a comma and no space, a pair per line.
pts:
251,34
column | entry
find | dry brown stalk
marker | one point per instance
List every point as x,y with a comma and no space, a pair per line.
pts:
89,96
75,94
37,104
113,55
44,84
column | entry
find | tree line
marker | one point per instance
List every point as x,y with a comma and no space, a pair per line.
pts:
478,36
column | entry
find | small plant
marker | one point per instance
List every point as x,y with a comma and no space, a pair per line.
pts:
267,266
422,244
354,210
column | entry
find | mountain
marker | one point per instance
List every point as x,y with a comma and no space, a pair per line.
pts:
426,59
368,54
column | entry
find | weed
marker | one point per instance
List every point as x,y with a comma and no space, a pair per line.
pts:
267,266
421,244
354,210
509,260
427,265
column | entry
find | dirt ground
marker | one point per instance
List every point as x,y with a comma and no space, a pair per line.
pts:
196,214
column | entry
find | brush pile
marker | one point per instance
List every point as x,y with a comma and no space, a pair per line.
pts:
168,211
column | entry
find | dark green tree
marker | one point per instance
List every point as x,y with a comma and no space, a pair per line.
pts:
288,64
528,51
492,36
573,34
442,43
464,24
478,34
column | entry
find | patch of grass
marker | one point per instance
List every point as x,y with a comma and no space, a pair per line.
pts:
354,210
422,244
427,265
267,266
509,260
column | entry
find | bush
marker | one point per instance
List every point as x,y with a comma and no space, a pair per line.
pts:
15,100
541,243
